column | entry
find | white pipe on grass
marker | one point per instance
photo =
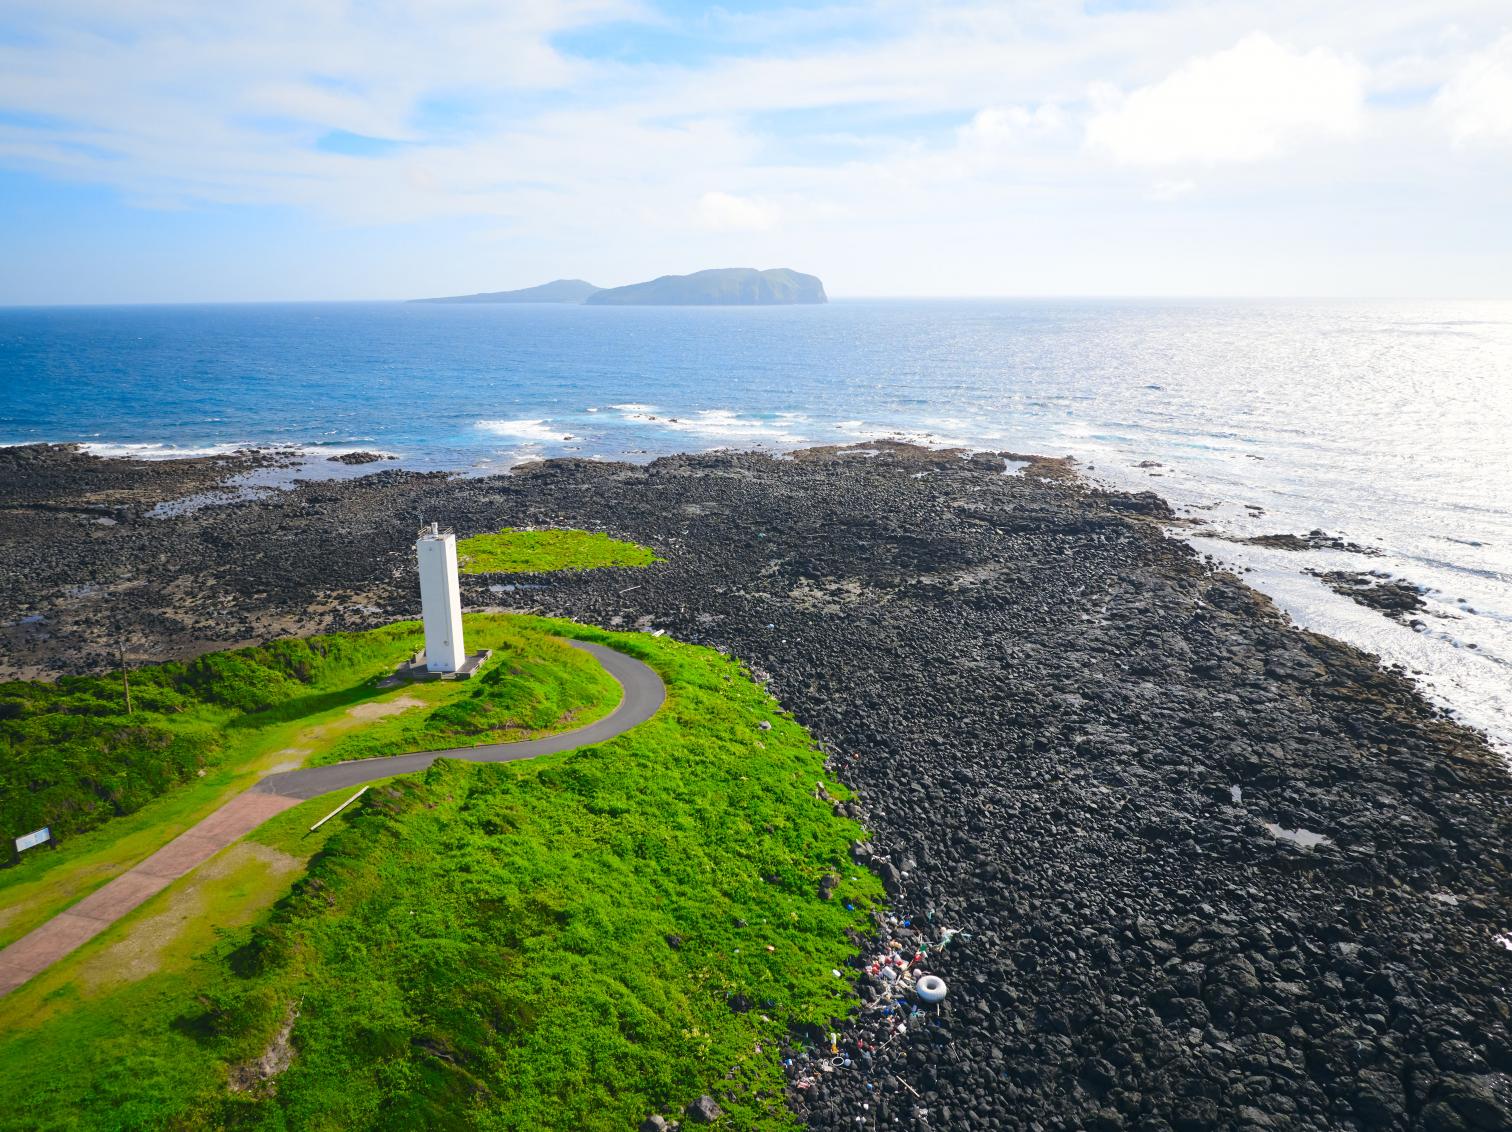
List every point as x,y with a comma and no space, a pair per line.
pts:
338,809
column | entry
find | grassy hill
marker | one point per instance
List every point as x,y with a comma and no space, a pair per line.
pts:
567,943
107,782
74,758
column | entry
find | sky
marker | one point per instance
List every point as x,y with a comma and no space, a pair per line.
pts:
179,151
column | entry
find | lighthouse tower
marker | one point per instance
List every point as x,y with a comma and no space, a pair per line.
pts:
440,600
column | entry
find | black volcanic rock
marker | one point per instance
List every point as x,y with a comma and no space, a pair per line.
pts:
1395,597
357,458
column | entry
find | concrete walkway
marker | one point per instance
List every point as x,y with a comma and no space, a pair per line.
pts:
40,948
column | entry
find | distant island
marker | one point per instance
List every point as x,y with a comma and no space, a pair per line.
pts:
727,286
723,286
557,291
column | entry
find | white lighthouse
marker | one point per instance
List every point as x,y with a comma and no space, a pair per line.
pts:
440,600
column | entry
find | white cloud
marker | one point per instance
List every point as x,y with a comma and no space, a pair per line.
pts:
1477,101
999,126
725,212
1244,104
1172,190
945,147
994,141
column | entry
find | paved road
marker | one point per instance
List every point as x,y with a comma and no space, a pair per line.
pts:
39,949
644,693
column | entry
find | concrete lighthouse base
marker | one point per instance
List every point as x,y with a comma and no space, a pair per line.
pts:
416,669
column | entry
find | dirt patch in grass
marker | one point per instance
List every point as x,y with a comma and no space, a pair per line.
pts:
187,907
380,708
259,1075
299,755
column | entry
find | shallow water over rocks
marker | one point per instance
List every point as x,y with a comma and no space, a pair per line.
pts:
1306,838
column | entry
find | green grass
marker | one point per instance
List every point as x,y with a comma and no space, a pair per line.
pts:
533,685
485,946
94,995
234,888
75,758
532,552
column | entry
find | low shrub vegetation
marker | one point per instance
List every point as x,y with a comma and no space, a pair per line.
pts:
71,757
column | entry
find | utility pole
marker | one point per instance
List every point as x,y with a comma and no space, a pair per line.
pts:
125,676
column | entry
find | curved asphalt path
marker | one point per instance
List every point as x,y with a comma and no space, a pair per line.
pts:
644,694
33,953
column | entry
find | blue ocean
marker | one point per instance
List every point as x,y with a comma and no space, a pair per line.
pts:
1389,423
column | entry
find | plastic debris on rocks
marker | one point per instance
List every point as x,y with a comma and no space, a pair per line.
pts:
891,1011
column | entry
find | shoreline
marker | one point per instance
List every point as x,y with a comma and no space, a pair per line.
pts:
1044,703
1298,571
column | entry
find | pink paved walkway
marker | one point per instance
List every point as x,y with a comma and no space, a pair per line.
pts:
644,694
45,945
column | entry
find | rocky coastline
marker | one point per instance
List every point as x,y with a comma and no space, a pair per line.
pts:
1086,757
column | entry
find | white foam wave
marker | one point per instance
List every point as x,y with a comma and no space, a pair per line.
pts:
873,430
155,451
345,449
523,429
728,425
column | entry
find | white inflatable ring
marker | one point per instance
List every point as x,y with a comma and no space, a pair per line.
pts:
931,988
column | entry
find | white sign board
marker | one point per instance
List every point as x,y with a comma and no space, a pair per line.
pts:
37,837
